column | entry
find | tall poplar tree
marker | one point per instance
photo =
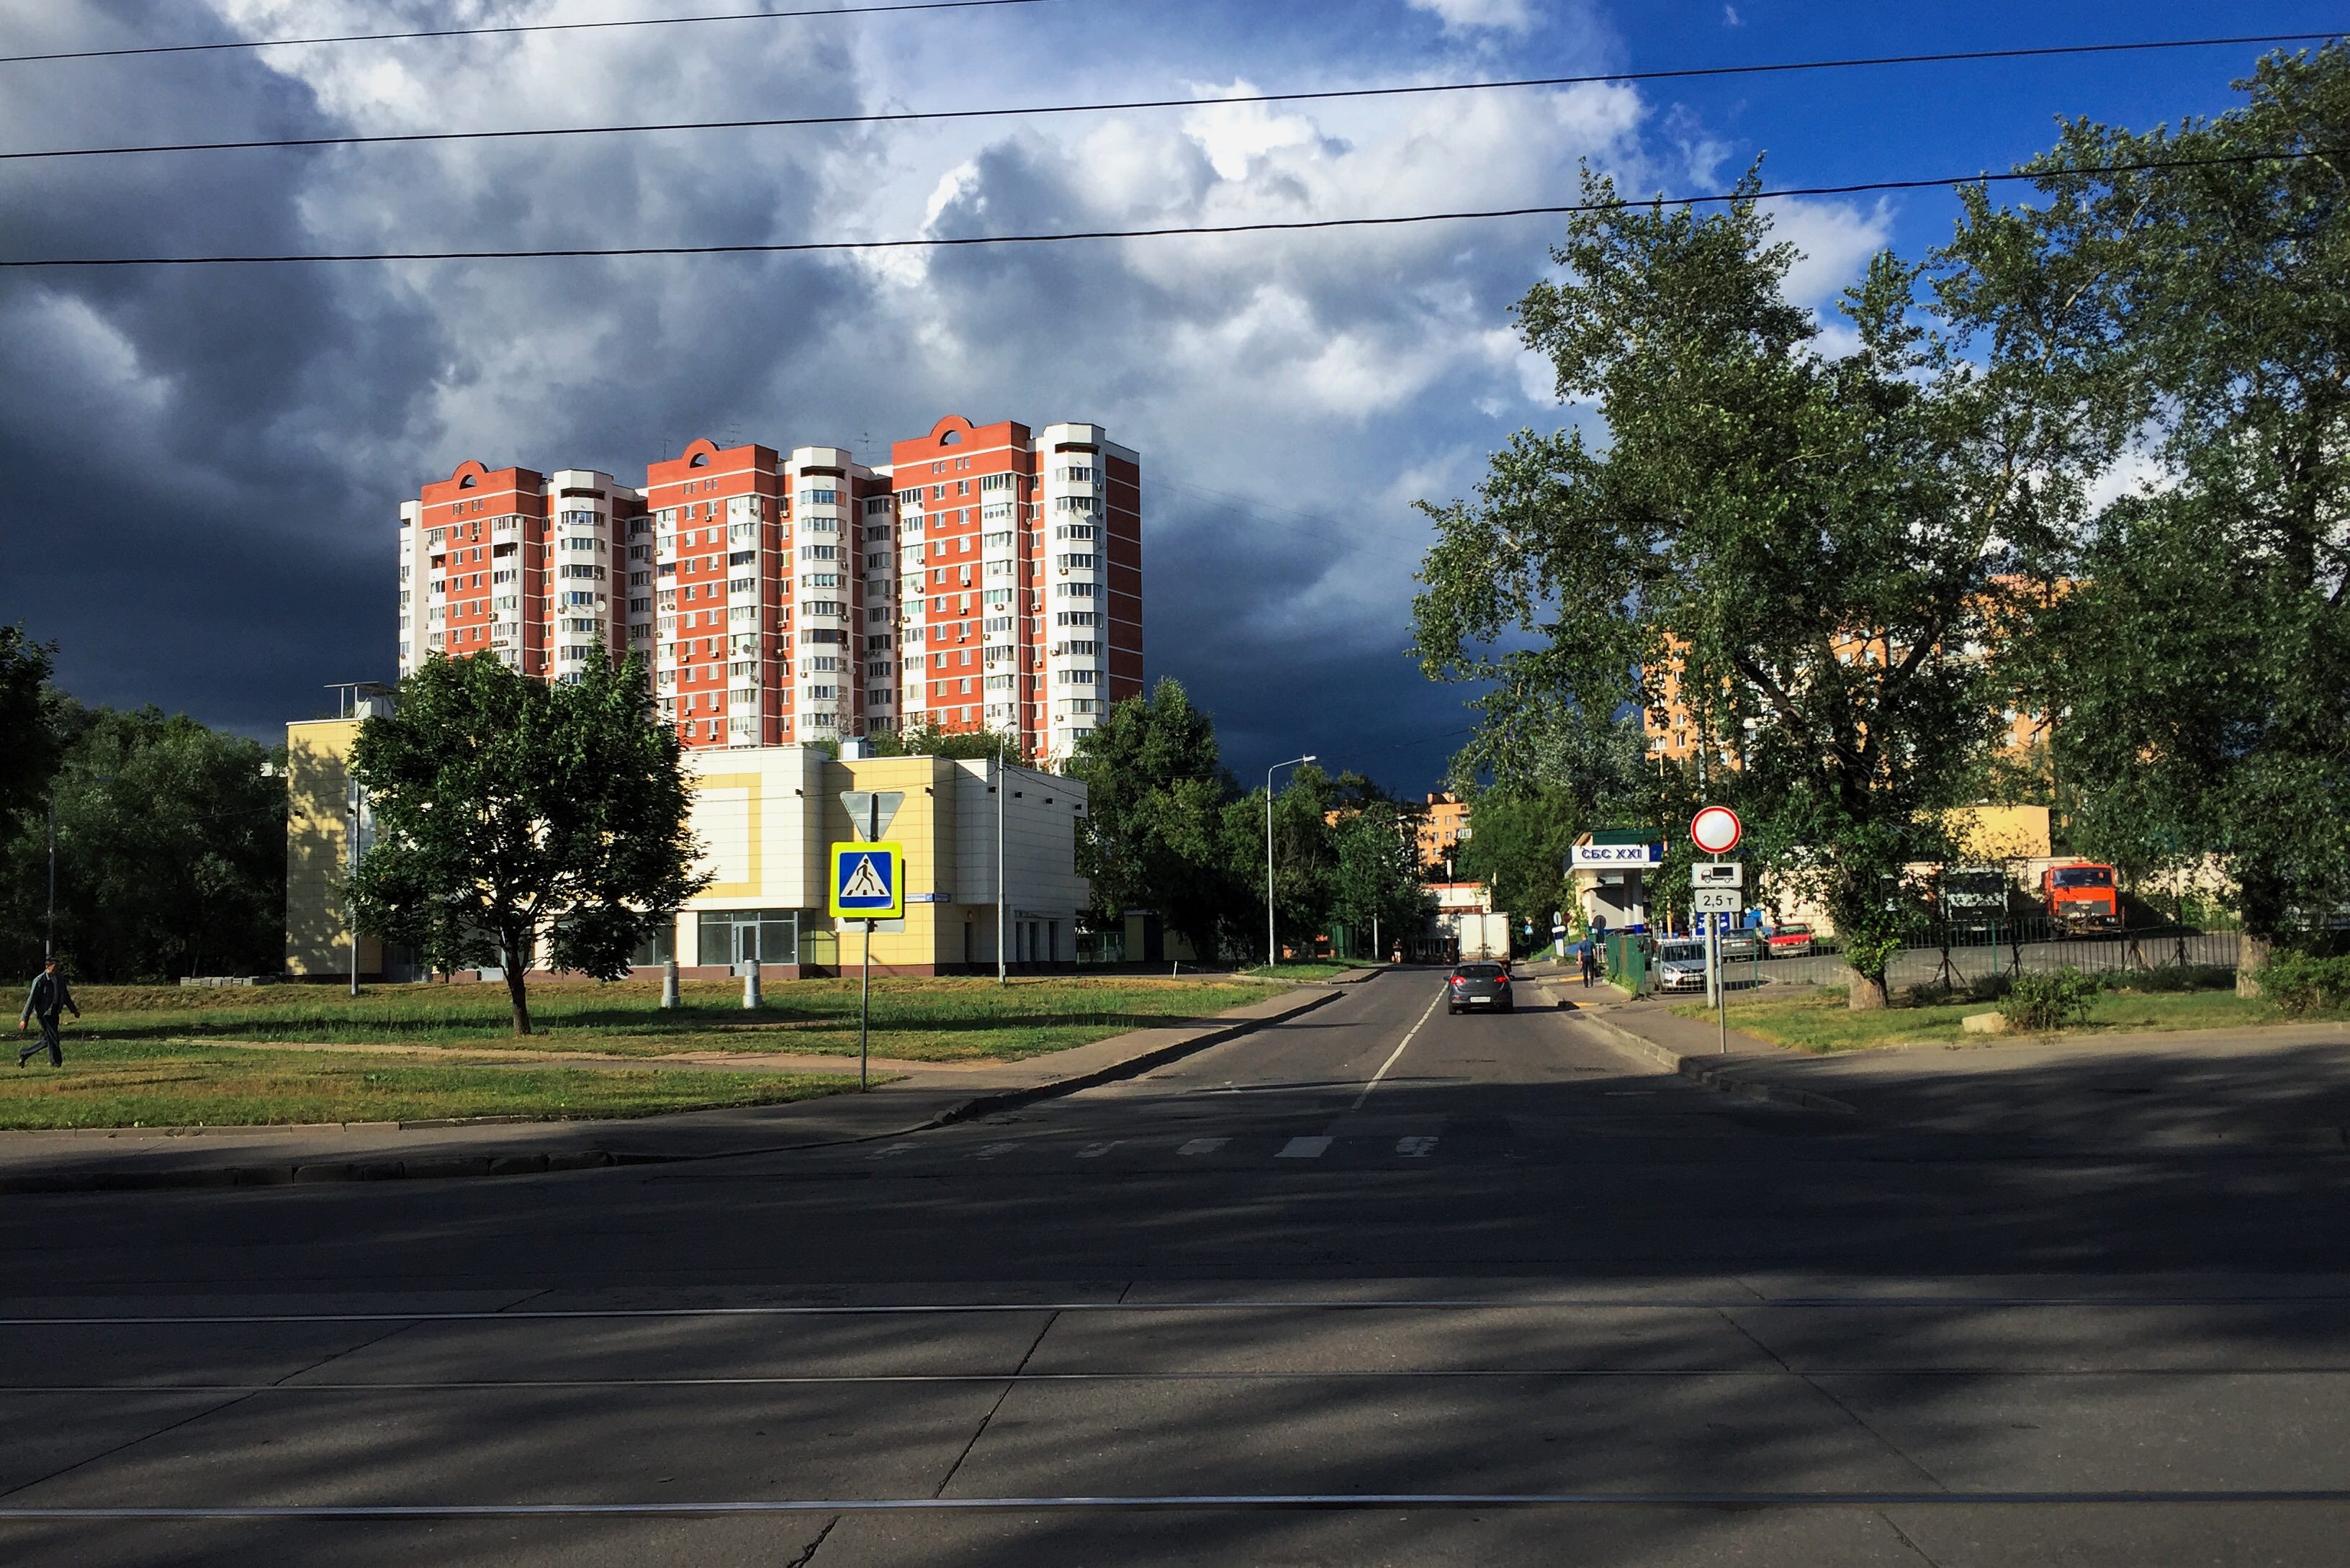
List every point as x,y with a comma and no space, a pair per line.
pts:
2200,660
1812,543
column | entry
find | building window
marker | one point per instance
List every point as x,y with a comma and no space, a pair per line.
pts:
737,936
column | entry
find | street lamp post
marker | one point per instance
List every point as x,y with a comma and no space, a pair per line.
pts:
1271,951
50,942
1001,790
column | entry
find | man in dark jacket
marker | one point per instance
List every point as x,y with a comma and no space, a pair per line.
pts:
49,998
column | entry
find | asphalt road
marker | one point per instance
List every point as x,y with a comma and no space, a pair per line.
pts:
1381,1285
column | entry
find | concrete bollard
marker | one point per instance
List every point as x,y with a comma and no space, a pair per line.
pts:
668,983
749,983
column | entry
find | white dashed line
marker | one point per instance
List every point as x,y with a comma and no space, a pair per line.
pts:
892,1152
1304,1149
1415,1147
992,1151
1203,1146
1095,1150
1397,1055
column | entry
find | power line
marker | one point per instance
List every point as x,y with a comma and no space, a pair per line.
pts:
807,247
902,117
511,28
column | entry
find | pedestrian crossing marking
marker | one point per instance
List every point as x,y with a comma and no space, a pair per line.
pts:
1203,1146
1304,1149
864,882
1415,1147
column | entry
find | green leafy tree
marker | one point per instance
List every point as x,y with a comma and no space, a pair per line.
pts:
2200,660
1155,794
925,739
512,813
170,849
31,750
1518,843
1304,863
1376,884
1809,544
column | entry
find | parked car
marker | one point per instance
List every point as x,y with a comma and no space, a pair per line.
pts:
1789,941
1680,966
1478,984
1746,942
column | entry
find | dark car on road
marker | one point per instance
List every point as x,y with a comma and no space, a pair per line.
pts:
1483,985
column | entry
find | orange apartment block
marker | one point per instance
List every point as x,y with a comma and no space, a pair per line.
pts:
1443,824
987,578
1672,732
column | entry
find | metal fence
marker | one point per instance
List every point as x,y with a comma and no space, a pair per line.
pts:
1965,956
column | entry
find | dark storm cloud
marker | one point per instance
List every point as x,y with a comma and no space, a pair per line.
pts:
208,464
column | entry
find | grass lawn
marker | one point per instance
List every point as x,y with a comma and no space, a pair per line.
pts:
1309,969
1825,1024
114,1083
940,1020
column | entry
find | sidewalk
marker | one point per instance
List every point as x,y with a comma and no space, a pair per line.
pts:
127,1158
2277,1085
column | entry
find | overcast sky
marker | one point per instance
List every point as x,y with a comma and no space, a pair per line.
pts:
204,466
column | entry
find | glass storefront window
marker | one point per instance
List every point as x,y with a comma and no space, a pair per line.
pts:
737,936
656,950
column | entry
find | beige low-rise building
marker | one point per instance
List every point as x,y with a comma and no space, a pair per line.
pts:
765,819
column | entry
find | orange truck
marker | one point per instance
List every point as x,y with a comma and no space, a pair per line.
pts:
2080,898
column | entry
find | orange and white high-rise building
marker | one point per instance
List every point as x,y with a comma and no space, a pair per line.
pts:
530,568
986,580
1021,578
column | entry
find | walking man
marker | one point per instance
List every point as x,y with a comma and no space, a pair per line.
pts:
1590,962
49,997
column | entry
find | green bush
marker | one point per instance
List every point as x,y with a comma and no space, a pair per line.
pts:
2042,1001
2170,976
2299,983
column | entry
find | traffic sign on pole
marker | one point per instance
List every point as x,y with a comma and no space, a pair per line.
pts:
1717,901
1716,829
868,881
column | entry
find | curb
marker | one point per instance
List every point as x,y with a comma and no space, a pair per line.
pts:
1698,1069
446,1168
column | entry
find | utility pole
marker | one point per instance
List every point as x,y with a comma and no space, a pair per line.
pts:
351,869
1271,951
50,942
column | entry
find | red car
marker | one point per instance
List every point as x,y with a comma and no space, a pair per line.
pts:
1789,941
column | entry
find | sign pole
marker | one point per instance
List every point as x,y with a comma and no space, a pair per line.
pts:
864,982
868,885
1721,987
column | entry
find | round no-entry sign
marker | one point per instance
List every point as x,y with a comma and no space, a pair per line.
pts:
1716,829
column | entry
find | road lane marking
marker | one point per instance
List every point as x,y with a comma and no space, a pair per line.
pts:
1203,1146
992,1151
1626,1499
892,1152
1304,1149
1397,1055
2265,1301
1415,1147
1095,1150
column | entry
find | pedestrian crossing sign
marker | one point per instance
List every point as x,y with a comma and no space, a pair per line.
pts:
868,881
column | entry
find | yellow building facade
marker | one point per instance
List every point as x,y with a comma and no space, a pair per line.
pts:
765,819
